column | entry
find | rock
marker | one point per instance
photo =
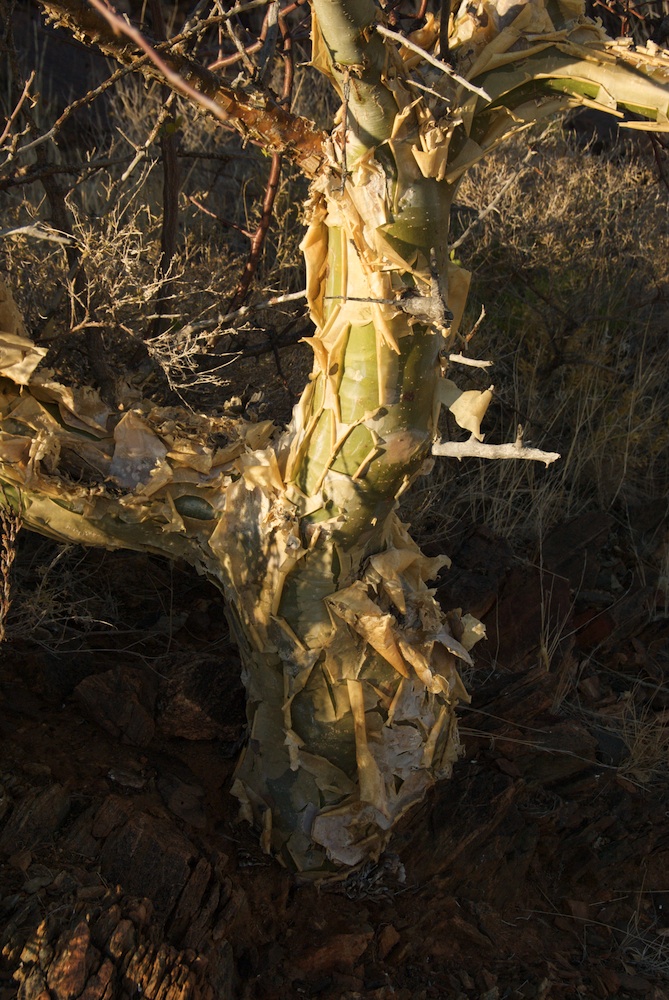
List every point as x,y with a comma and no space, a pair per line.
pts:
34,819
34,987
202,700
387,939
148,857
338,953
571,549
479,565
183,799
114,812
118,955
533,611
121,702
201,926
190,900
68,972
100,986
122,939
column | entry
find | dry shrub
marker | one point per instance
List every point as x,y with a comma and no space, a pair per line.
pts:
115,205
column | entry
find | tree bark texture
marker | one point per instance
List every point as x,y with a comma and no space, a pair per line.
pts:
349,663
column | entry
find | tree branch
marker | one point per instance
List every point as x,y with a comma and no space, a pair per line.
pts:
476,449
251,113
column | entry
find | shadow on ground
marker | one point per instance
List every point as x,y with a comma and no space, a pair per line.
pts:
540,870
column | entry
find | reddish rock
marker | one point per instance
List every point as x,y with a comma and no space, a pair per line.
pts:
533,610
592,626
338,953
122,940
34,987
388,938
121,702
184,800
68,972
190,900
202,925
35,819
101,985
148,857
113,812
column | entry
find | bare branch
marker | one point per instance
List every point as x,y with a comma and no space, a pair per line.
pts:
275,300
25,95
460,359
253,114
38,233
476,449
437,63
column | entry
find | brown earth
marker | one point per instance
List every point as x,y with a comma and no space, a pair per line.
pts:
541,870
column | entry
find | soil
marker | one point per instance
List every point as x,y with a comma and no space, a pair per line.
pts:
541,870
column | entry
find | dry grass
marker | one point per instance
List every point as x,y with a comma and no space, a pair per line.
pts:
10,525
116,217
572,270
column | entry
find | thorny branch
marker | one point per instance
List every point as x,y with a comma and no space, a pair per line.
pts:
258,238
169,143
255,115
25,96
257,45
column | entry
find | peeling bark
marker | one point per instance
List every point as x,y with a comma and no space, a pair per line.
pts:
349,663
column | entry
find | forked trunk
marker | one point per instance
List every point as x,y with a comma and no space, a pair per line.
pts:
349,663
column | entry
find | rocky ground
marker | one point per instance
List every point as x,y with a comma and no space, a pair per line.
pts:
541,870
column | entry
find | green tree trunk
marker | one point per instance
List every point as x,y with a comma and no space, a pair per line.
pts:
349,664
352,681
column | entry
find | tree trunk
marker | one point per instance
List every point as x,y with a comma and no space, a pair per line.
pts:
348,661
